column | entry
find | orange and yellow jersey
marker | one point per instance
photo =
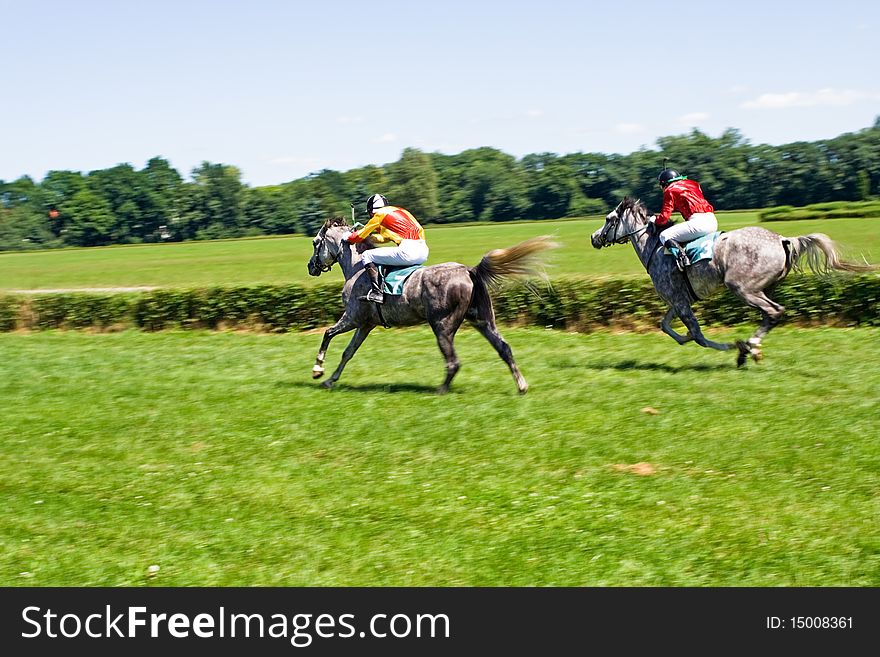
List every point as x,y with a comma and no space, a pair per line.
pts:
390,224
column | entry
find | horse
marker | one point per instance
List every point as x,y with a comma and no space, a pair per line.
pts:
748,261
443,295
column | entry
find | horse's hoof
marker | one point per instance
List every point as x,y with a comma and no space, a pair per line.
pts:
327,385
757,355
523,390
317,374
442,390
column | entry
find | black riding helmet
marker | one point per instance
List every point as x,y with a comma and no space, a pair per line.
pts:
668,175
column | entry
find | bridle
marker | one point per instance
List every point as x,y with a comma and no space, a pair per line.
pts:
322,235
618,239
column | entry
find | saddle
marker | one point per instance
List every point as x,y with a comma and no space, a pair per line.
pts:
394,277
702,248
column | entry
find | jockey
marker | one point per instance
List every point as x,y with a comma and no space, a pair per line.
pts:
686,197
388,223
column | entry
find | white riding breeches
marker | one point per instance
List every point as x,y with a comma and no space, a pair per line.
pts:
410,252
700,223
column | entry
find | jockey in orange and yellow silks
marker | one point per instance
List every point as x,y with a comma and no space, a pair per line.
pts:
392,224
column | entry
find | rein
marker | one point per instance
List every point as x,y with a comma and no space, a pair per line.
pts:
622,239
659,247
321,266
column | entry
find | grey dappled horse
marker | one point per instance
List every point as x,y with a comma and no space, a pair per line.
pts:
442,295
747,260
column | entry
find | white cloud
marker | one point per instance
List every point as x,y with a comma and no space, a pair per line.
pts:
387,138
629,128
692,119
828,97
350,120
534,113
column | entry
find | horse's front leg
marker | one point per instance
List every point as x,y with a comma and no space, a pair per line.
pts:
342,326
690,321
668,330
356,341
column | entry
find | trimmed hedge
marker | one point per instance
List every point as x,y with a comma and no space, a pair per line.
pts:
78,311
568,303
9,312
831,210
268,307
583,304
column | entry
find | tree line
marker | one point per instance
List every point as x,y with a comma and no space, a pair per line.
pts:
123,205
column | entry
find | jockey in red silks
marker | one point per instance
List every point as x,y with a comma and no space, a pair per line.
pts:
686,197
388,223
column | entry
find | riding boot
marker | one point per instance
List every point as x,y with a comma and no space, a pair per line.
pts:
375,294
681,259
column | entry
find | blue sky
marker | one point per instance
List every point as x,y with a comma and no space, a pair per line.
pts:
282,89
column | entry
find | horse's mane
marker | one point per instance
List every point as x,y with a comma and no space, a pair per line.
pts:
634,205
336,221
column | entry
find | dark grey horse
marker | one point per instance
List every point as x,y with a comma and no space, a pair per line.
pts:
442,295
748,261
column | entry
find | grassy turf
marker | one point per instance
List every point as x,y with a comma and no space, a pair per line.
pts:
215,457
283,260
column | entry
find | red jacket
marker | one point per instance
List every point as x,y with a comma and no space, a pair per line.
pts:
684,196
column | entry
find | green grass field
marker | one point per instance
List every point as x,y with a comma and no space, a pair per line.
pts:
215,457
283,260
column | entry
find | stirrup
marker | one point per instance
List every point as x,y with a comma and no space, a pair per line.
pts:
374,296
682,261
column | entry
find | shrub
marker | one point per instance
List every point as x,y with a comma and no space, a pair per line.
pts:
832,210
9,308
566,303
77,310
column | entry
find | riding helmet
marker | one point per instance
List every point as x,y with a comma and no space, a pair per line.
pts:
375,202
667,176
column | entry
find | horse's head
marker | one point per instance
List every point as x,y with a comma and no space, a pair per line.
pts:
627,219
327,245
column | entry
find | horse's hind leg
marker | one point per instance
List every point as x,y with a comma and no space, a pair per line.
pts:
771,312
444,341
356,341
668,330
445,329
490,332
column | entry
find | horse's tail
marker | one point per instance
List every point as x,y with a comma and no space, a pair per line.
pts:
520,260
812,247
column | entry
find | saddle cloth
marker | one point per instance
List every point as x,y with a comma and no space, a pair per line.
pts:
702,248
393,278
